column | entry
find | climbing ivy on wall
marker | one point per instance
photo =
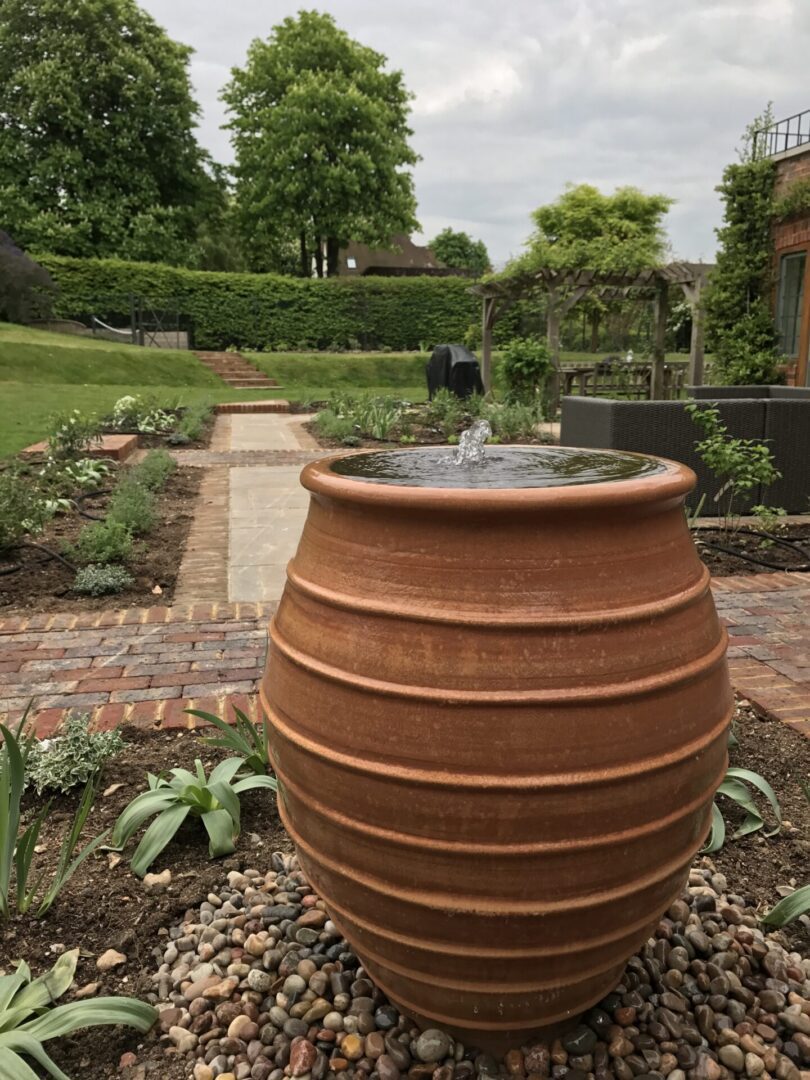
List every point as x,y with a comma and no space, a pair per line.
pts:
796,200
739,321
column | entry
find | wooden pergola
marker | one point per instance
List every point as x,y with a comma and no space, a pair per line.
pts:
566,287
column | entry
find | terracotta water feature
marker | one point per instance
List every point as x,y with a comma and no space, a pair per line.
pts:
499,703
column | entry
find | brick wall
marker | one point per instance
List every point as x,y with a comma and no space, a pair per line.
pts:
787,234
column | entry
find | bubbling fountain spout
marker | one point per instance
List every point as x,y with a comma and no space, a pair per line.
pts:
471,444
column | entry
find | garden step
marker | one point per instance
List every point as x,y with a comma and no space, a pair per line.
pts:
235,370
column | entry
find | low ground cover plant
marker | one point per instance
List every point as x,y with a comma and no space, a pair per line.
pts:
97,580
73,757
213,799
144,415
191,424
132,505
29,1018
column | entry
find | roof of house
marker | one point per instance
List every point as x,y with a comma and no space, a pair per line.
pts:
405,258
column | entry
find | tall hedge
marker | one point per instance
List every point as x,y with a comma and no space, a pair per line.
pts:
266,311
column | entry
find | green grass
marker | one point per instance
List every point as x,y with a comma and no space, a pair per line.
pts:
43,373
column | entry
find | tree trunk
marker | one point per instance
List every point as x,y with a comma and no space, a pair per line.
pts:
332,252
319,258
306,269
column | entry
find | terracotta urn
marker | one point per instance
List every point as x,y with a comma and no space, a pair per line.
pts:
498,719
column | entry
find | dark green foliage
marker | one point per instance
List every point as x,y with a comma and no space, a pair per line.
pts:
257,311
21,508
796,200
739,323
97,148
459,251
319,128
103,542
525,367
26,289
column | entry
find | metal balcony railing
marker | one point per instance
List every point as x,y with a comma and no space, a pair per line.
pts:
783,135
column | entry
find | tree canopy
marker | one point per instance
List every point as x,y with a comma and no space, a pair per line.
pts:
320,131
459,251
97,148
587,229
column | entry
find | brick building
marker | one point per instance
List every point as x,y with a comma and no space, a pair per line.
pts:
787,143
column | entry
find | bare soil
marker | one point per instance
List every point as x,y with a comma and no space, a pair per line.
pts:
44,583
765,554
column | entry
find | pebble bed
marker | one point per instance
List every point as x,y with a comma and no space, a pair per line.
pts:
258,985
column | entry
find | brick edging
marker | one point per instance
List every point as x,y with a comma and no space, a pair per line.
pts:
219,611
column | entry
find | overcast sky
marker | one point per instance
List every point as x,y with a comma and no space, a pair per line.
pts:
515,98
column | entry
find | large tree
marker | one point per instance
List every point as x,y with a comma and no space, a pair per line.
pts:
459,251
585,228
320,131
97,148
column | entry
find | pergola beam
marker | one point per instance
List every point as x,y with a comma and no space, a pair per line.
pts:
565,287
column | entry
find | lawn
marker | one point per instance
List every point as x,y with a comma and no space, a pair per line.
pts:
43,373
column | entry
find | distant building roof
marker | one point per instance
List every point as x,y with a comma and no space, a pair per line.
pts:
407,259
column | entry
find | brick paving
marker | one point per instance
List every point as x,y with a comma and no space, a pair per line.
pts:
769,642
146,665
140,665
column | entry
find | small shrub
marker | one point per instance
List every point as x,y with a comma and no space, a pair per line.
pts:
72,758
133,506
768,517
71,435
97,580
22,510
351,441
377,417
192,422
525,368
332,426
155,469
738,464
512,420
17,848
103,542
133,413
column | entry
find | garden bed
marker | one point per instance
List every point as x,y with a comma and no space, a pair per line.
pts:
44,583
724,563
106,907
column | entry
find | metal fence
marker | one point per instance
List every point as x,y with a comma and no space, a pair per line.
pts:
783,135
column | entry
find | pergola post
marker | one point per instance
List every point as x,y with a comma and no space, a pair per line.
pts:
659,341
487,322
696,344
553,338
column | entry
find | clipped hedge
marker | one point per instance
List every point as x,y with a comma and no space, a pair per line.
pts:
267,311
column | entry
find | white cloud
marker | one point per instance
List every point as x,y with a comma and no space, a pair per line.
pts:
513,100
